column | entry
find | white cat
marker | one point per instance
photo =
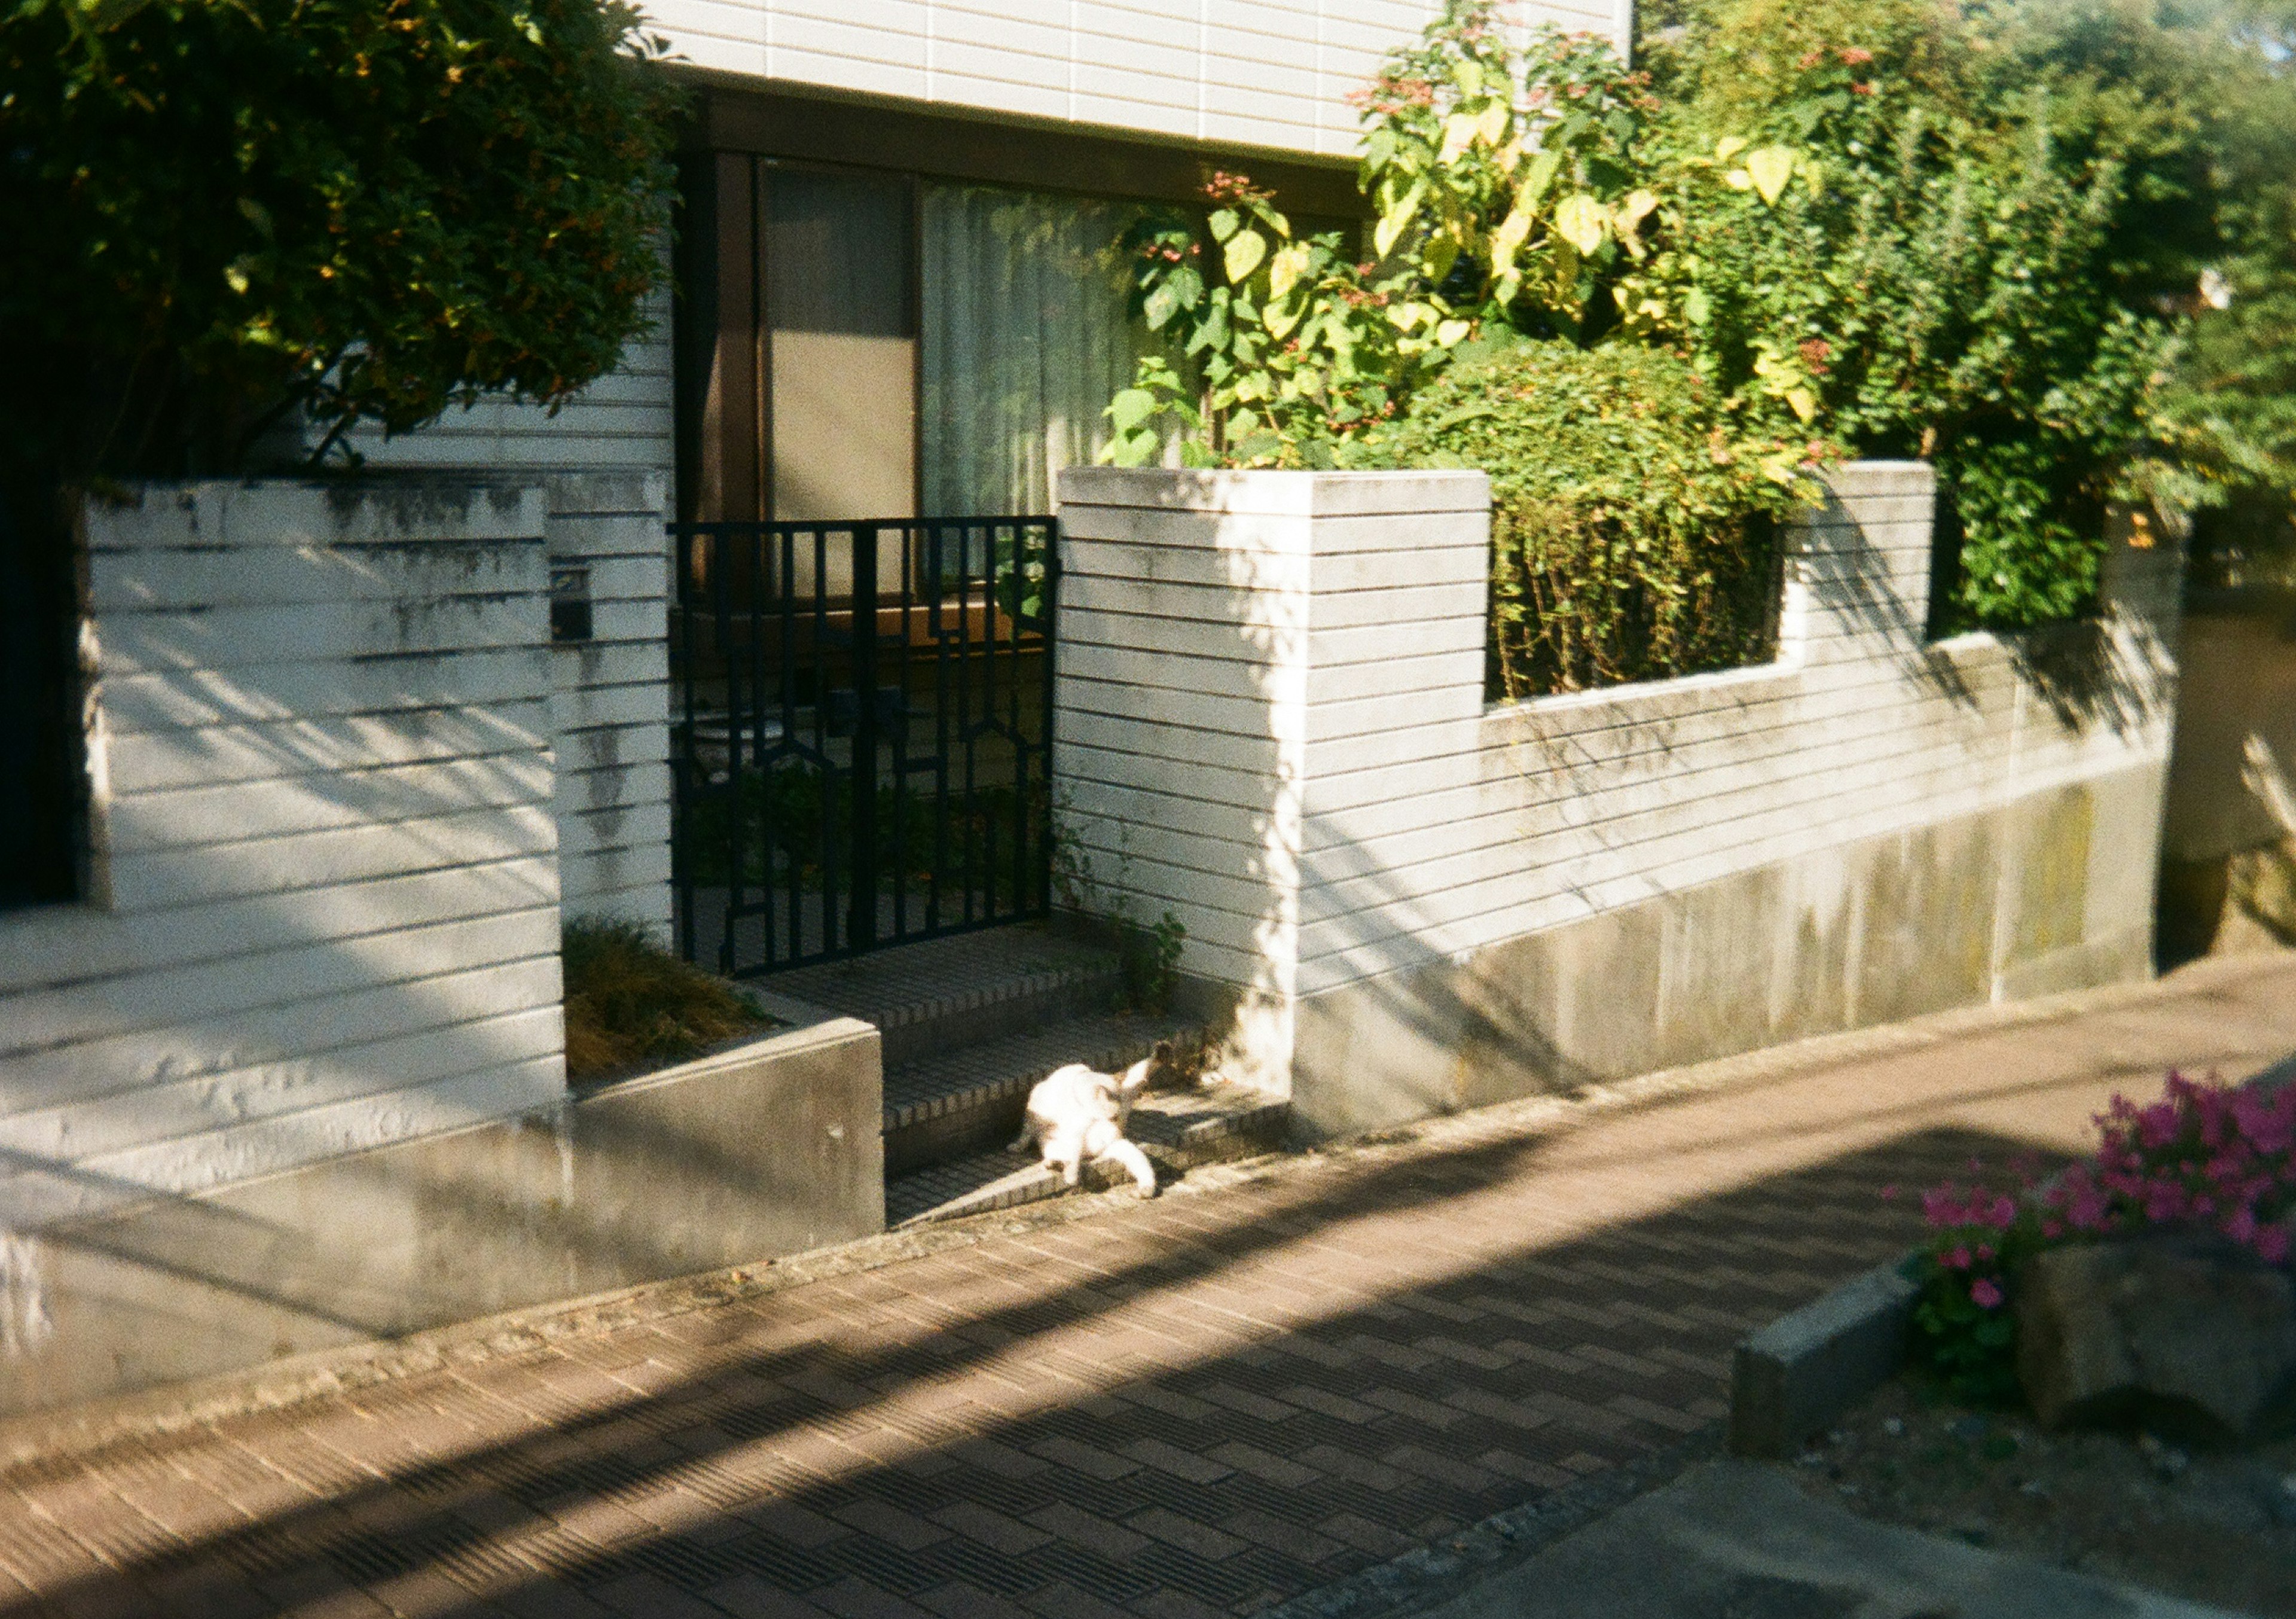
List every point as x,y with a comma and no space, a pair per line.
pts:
1077,1115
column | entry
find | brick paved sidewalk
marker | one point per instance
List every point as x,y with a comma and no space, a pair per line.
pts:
1201,1405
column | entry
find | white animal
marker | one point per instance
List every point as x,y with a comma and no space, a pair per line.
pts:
1077,1115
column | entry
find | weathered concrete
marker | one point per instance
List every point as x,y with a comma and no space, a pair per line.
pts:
1797,1375
1271,722
1734,1539
1992,905
766,1148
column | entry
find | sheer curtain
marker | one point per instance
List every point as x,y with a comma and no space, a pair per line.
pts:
1025,341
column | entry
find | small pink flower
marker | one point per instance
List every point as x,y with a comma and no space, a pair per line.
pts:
1856,55
1985,1252
2053,1228
2272,1243
1986,1293
1958,1259
1890,1193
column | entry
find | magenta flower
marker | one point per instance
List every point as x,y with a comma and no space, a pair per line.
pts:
1958,1259
1986,1293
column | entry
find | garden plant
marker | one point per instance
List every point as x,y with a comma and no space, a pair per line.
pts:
2043,244
2202,1158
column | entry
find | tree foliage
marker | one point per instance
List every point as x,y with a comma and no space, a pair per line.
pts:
222,213
2045,245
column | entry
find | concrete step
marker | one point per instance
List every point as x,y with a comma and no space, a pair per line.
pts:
1178,1130
937,996
963,1100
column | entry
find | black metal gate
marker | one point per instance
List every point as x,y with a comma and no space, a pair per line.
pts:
863,740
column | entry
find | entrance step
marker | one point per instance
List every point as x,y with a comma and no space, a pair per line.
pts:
934,996
970,1022
1178,1129
961,1101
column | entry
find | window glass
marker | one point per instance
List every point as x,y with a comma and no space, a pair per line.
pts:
1026,339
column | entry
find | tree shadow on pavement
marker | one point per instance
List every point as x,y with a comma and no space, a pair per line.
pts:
1206,1404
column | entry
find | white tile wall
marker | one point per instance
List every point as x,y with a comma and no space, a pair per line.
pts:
321,730
1269,73
1272,721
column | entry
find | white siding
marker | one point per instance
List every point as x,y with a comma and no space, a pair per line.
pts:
1265,73
621,423
327,908
609,704
1270,717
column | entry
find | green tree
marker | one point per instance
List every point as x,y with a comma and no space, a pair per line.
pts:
225,215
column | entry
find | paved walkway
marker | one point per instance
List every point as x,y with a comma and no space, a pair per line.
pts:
1205,1404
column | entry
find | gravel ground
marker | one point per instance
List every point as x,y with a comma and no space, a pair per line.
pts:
2211,1526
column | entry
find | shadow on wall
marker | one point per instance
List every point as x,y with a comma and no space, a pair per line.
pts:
2228,845
293,1077
1271,694
1452,1364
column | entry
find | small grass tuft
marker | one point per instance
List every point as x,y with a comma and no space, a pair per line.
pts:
629,1003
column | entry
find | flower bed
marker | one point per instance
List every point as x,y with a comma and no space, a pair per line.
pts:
2204,1159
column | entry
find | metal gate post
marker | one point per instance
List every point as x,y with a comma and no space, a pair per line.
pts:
861,922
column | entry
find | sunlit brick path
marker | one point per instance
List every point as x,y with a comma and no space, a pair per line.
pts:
1204,1404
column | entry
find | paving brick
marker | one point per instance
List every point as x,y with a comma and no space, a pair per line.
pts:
1197,1470
1184,1532
1120,1416
993,1529
1086,1458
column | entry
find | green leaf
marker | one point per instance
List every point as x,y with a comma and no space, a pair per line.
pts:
1128,409
1458,133
1162,303
1224,221
1771,167
1582,222
1243,255
1288,266
1534,183
1397,219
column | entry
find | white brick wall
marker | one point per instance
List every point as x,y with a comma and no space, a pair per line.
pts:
1267,73
327,861
1271,720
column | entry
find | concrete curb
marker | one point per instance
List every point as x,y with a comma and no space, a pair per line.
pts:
1794,1376
1430,1575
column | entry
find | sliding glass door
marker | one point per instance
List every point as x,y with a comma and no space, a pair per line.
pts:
869,344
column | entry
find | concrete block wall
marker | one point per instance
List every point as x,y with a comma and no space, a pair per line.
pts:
610,699
324,905
1271,721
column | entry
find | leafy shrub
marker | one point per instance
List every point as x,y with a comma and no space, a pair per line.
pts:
630,1003
224,212
1979,241
1632,538
2201,1158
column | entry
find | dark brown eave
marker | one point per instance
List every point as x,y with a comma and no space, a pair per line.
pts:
807,123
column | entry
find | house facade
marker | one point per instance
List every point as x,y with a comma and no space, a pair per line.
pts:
894,289
282,1055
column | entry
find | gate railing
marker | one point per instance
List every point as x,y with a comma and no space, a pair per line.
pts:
863,746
